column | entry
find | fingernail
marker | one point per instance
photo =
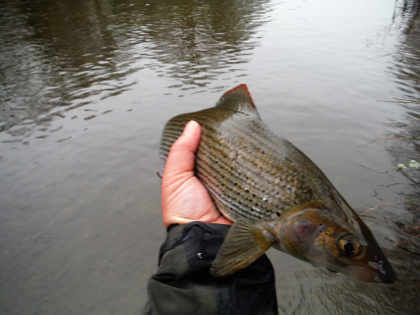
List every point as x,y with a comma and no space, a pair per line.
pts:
190,126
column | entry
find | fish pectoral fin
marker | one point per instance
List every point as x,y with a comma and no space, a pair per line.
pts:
244,243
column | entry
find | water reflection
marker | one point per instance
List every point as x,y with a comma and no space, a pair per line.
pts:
196,43
404,141
79,224
406,66
337,295
403,144
405,14
65,54
406,69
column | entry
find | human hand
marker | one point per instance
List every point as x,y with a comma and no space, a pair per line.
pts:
184,198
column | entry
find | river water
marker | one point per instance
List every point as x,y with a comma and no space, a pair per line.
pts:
87,85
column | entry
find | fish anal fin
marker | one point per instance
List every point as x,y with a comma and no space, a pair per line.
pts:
238,99
244,243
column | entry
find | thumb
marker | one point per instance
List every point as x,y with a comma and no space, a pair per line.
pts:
182,154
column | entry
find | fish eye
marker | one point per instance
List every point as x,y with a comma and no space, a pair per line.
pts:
348,247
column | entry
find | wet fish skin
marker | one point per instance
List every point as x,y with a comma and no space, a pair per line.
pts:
275,195
239,164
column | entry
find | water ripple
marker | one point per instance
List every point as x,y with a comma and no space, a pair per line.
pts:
58,55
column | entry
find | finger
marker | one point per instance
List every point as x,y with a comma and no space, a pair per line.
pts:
181,156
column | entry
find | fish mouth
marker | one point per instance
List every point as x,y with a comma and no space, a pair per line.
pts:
376,260
369,274
374,268
379,271
384,269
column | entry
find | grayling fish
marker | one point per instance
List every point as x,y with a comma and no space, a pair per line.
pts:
274,194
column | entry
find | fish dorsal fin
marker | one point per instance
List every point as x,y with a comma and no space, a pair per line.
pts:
238,99
244,243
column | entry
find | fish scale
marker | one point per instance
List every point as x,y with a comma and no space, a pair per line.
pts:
274,194
247,185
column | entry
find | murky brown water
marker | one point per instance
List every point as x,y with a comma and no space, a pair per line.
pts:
86,87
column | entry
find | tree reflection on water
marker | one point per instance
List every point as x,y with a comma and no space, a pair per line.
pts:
57,56
72,53
406,69
404,141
